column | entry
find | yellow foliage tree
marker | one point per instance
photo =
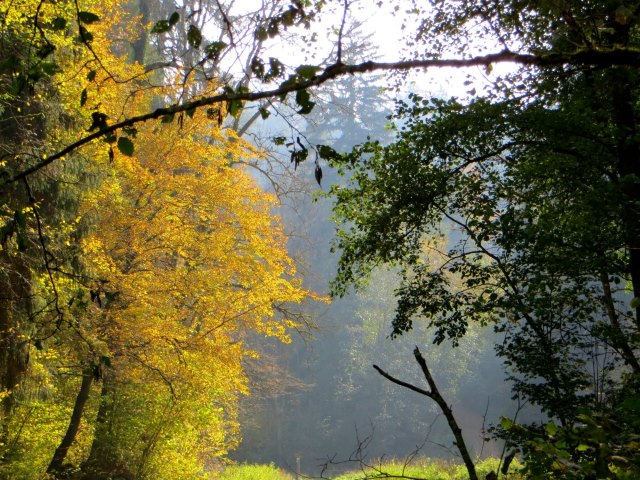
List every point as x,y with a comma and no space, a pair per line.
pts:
188,257
162,259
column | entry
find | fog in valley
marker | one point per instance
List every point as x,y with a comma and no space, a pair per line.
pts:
318,400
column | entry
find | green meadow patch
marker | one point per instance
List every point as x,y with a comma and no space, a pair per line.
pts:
428,469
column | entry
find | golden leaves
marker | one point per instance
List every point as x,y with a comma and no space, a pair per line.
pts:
191,248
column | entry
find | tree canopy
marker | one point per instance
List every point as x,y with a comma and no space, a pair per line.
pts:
537,179
137,255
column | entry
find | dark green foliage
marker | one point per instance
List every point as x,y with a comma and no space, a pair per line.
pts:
194,37
88,17
538,184
125,145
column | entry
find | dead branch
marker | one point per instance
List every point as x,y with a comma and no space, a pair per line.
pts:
435,395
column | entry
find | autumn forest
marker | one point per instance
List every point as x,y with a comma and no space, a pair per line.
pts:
337,239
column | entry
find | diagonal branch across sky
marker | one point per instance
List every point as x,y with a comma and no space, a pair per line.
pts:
584,58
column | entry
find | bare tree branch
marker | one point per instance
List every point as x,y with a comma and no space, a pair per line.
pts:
340,33
435,395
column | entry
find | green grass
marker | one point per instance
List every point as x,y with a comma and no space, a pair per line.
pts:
429,469
254,472
423,468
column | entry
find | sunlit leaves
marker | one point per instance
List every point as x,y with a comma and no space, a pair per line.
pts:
178,224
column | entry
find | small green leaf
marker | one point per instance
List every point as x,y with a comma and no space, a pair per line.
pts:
214,50
264,113
173,19
261,34
46,50
49,68
88,17
551,428
278,140
289,82
19,83
85,35
125,145
303,99
276,69
307,108
130,131
58,23
83,97
234,107
99,121
10,65
326,152
21,240
161,26
20,218
635,302
582,447
506,423
91,76
194,36
307,71
110,137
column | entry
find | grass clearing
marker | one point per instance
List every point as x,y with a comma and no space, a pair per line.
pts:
429,469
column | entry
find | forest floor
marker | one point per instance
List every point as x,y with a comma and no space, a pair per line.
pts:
419,468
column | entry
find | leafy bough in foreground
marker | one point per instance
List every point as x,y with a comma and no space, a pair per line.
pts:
305,78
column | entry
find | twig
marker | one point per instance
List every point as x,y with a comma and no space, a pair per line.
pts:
340,32
46,254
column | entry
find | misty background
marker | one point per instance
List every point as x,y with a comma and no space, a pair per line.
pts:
319,399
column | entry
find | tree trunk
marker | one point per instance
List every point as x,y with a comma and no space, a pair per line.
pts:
628,151
100,458
14,350
74,423
139,47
